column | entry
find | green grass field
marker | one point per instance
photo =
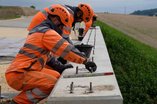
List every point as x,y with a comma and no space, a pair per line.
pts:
135,66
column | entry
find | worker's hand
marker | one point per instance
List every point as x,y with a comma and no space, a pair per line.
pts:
63,67
66,66
57,65
90,66
63,61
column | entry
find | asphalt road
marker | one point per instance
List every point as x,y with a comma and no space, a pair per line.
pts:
12,35
22,22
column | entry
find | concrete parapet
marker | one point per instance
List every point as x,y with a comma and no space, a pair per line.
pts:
78,86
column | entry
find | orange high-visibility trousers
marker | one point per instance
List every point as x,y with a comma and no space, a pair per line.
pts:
35,85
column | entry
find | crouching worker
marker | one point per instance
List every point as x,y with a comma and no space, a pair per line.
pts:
27,72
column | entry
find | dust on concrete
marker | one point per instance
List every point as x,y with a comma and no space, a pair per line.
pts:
80,89
103,88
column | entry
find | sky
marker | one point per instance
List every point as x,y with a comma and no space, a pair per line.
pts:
111,6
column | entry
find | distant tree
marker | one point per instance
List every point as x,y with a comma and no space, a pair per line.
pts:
148,12
32,6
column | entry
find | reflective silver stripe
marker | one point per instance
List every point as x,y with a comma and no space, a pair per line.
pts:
58,45
67,28
38,92
30,55
41,60
35,48
30,97
66,51
45,13
42,29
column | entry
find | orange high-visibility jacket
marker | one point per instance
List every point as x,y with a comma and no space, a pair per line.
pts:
37,19
34,54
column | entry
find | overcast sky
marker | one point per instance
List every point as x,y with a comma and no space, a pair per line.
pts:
113,6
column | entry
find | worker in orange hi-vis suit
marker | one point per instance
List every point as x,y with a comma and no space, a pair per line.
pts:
27,72
39,18
81,13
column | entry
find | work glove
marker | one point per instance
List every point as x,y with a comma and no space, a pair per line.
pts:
63,61
63,67
90,66
57,65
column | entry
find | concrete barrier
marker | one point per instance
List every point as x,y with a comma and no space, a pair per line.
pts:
78,86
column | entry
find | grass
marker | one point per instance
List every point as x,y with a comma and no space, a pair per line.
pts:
10,12
9,17
135,65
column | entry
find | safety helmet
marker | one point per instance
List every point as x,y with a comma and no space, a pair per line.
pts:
71,14
87,11
61,12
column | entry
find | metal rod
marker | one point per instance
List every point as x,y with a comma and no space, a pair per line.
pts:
71,87
93,52
90,88
89,75
94,37
76,69
92,59
0,93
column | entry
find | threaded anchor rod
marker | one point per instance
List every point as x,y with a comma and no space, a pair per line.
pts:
71,87
77,70
90,88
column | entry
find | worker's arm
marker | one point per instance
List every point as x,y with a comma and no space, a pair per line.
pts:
60,47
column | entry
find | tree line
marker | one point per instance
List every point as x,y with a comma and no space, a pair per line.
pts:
148,12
